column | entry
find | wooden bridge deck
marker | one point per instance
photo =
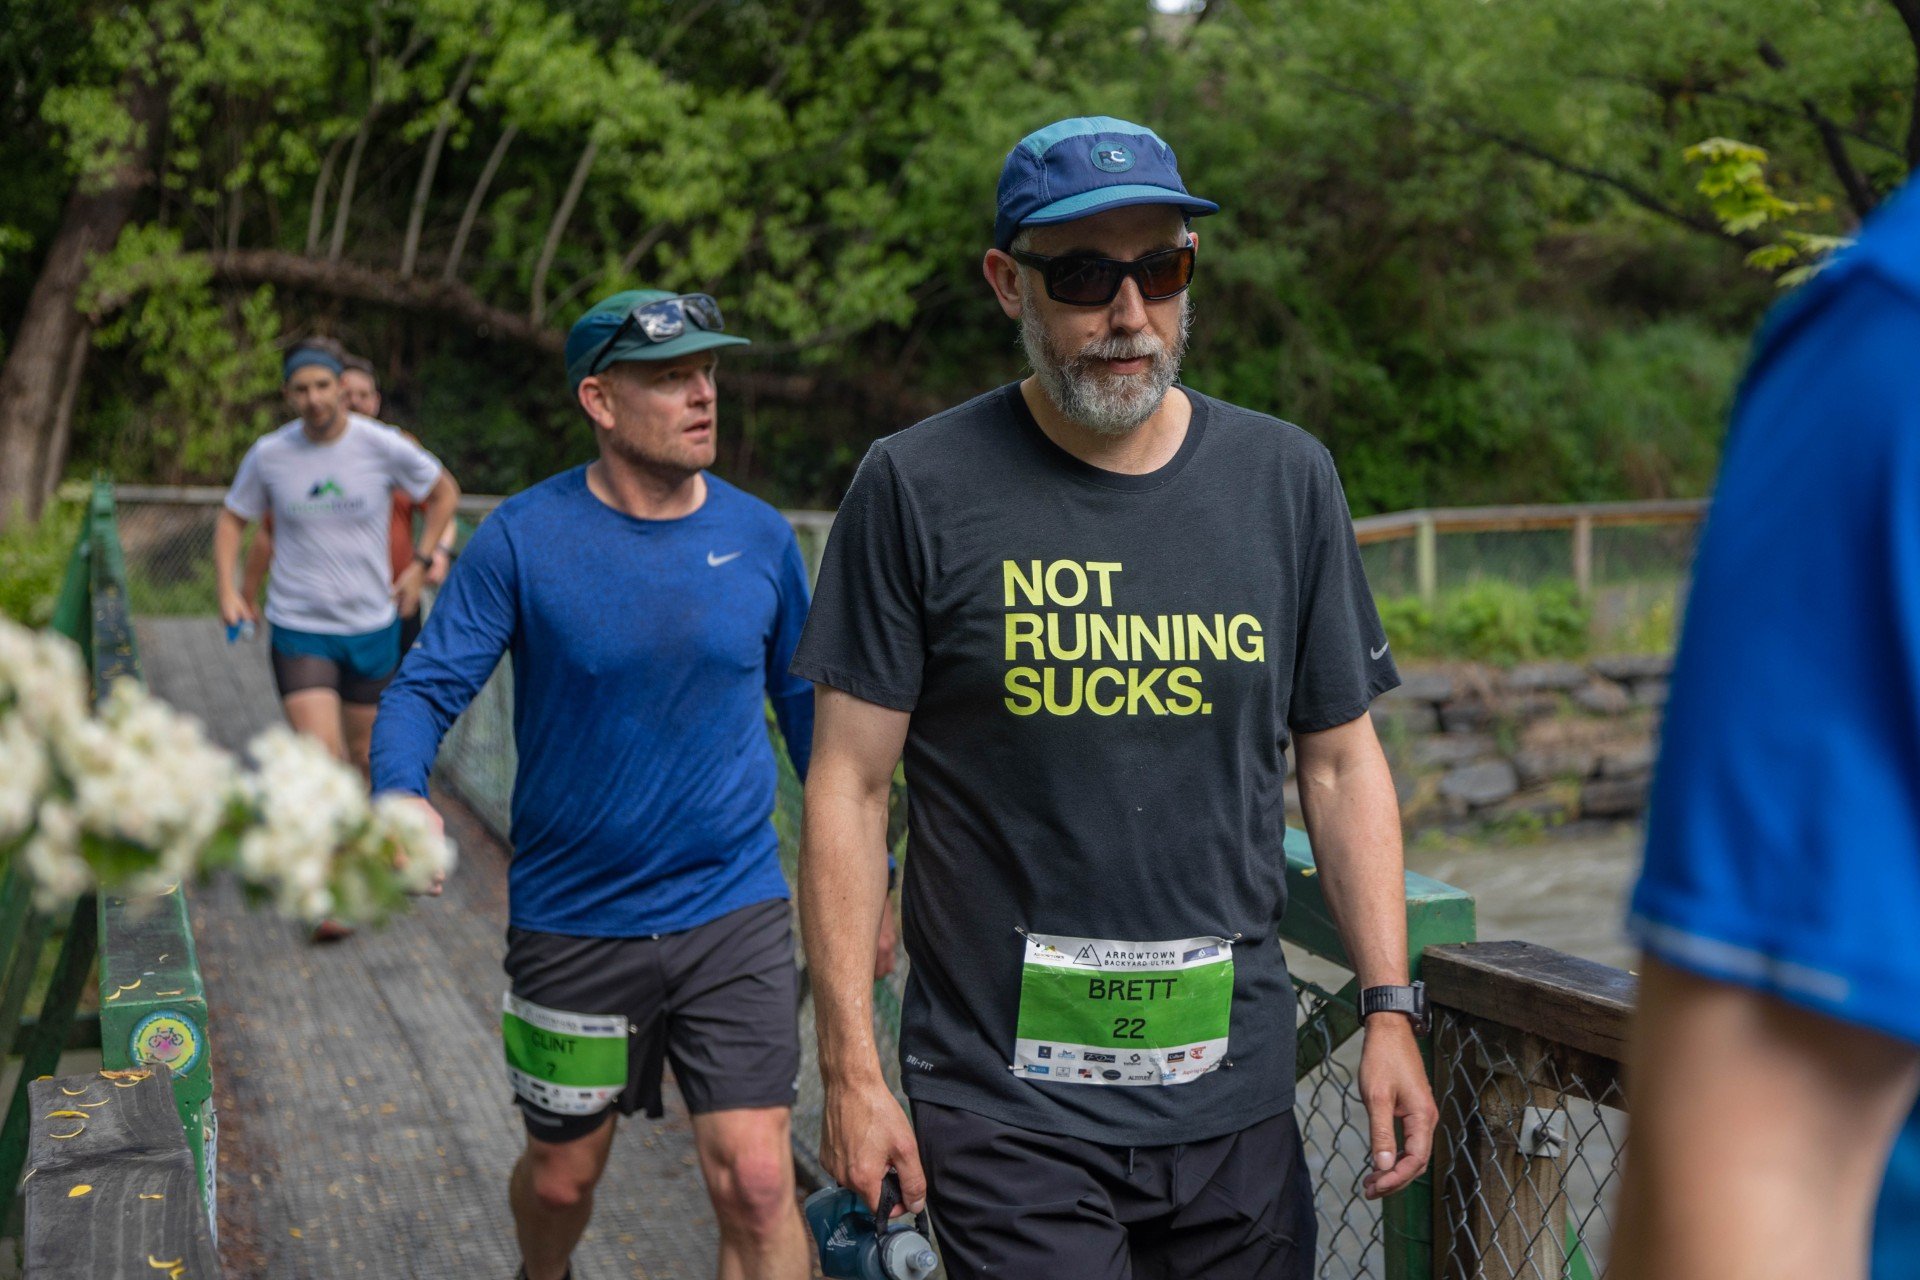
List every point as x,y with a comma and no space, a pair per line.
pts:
365,1122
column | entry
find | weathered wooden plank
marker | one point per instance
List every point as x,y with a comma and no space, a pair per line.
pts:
1560,998
110,1191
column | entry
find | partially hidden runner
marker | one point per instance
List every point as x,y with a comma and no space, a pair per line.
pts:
650,610
361,389
1094,608
326,479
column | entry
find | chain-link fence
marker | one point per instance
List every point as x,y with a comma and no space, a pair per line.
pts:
1527,1156
1626,564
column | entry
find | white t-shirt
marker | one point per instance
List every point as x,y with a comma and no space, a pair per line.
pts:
331,568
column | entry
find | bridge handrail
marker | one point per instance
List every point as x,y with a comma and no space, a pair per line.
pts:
149,978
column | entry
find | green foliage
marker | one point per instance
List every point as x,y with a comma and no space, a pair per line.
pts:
33,561
214,357
1462,242
1490,621
1733,178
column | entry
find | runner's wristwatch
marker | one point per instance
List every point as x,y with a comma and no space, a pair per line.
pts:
1411,1001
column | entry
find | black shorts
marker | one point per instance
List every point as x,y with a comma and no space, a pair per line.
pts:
1010,1202
410,624
357,667
719,1001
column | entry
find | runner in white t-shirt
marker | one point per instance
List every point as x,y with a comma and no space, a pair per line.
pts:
327,478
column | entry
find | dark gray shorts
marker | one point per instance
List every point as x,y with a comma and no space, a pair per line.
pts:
718,1001
1011,1202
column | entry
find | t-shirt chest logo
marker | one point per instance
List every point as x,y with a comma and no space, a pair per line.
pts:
327,495
1071,648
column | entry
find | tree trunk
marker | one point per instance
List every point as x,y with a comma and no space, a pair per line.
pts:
53,458
33,382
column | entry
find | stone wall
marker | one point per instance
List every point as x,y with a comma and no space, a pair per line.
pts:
1547,742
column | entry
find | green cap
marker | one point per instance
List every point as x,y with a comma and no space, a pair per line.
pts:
591,331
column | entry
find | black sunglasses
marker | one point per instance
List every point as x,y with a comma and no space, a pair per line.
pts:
1082,280
663,321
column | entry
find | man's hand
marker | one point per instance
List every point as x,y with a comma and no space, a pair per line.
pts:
439,825
1393,1084
863,1133
236,608
887,943
407,588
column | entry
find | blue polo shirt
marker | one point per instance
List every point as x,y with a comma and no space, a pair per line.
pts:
644,654
1783,837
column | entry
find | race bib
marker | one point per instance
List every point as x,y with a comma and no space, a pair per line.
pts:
1097,1011
573,1064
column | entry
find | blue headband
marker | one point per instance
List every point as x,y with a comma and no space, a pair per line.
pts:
300,357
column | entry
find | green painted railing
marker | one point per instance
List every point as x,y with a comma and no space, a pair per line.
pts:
153,1004
1436,913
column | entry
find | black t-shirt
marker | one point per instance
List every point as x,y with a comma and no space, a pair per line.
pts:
1104,671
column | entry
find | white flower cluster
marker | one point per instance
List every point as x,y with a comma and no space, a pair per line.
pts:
43,704
138,799
320,845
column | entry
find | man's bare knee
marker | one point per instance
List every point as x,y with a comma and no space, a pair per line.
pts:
563,1175
753,1190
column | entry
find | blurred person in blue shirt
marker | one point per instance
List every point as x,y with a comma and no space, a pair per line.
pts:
1777,1046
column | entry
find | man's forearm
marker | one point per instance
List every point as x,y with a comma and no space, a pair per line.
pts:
227,529
1353,819
843,879
442,502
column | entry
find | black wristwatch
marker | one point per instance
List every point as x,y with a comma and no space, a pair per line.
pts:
424,559
1411,1001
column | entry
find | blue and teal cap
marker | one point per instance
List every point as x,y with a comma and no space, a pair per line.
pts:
588,337
1080,166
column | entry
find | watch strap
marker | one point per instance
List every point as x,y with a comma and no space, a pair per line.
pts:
1410,1000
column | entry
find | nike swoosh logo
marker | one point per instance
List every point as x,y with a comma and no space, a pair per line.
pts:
717,561
1380,652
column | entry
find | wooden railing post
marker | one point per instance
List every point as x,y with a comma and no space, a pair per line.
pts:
1519,1029
1583,556
1426,557
1502,1175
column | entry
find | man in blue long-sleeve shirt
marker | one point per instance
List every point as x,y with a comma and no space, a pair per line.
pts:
648,608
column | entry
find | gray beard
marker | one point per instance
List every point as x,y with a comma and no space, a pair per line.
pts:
1102,403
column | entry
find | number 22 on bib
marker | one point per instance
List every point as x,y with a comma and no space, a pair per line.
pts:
1100,1011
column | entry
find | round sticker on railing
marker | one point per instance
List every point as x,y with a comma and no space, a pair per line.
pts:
168,1038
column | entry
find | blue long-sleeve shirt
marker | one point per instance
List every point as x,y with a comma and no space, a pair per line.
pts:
641,652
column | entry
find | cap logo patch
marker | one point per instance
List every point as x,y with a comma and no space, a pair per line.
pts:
1112,159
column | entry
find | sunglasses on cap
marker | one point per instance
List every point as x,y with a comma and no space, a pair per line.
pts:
1083,280
662,321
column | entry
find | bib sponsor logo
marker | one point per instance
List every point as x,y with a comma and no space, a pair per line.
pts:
1098,1057
1046,1051
1199,953
1035,1069
1109,1074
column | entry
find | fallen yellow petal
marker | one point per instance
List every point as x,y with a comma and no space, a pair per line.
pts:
79,1191
62,1137
114,996
295,1233
91,1105
129,986
155,1196
73,1093
182,991
158,1265
66,1115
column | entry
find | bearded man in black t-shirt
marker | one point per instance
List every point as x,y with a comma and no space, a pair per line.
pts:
1093,609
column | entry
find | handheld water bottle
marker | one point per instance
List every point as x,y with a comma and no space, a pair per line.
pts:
242,630
858,1244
